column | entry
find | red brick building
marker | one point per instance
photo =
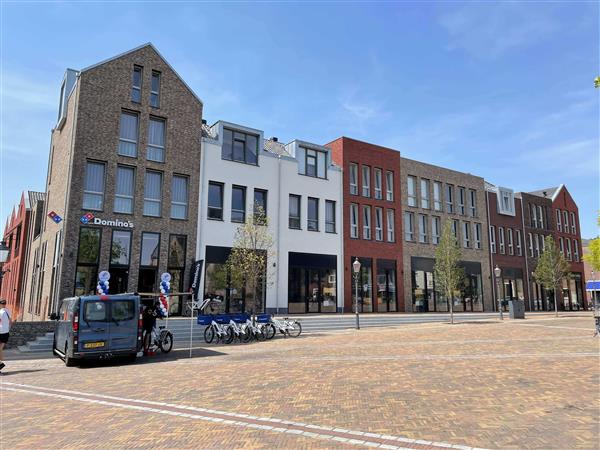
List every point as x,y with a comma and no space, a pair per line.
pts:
15,237
507,246
372,226
568,239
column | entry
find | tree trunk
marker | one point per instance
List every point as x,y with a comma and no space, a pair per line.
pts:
451,309
555,303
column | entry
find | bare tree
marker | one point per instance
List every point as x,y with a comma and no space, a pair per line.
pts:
253,248
552,268
448,274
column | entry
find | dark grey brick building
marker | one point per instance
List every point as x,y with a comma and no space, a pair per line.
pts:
123,174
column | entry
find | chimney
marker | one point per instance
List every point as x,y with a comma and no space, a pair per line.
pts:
545,194
203,121
275,139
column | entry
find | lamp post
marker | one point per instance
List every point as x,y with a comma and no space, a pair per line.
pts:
497,273
356,270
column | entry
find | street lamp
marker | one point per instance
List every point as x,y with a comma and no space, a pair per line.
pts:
497,273
356,269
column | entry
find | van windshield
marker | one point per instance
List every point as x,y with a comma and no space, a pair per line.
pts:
95,312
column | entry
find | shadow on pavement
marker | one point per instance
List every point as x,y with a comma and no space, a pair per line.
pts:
16,372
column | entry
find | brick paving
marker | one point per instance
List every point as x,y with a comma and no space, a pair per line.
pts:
516,384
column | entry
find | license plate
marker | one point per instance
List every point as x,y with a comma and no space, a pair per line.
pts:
93,344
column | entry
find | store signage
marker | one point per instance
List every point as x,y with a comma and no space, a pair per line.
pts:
195,273
54,216
90,219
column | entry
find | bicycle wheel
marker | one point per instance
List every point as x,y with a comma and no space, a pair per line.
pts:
166,342
209,334
246,335
269,330
296,329
260,334
229,336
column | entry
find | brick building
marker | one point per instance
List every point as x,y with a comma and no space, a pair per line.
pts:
507,245
431,195
371,210
16,233
567,235
123,176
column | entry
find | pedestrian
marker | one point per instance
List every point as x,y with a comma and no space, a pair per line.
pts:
5,322
148,324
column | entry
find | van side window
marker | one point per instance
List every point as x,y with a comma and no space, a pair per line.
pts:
123,310
95,311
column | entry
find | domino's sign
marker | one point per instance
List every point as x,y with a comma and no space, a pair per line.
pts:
90,219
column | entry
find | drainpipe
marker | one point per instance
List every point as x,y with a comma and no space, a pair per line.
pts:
489,230
340,277
200,235
278,215
525,255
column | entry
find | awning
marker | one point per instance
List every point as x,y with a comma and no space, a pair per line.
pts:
592,286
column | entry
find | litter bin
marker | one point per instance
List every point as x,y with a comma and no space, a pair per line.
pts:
516,309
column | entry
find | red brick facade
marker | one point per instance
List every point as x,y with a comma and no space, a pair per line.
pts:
15,236
381,254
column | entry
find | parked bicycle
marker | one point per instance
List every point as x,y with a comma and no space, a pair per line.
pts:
163,339
254,330
216,330
237,331
287,327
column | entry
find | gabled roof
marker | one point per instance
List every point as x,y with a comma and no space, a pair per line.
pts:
35,197
147,44
551,192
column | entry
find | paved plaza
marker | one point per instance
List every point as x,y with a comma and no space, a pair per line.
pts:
514,384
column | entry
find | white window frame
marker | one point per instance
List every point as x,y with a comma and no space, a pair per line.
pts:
353,222
422,229
378,183
559,220
94,193
531,254
424,193
138,89
533,212
466,232
541,216
501,242
130,141
568,249
437,199
124,196
366,210
436,224
353,179
461,200
411,190
573,224
389,186
157,146
519,243
153,200
537,246
455,231
493,238
409,229
153,92
187,191
575,250
449,198
378,224
478,236
472,202
566,221
510,241
366,181
391,228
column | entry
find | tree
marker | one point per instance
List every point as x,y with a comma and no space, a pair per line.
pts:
252,250
593,257
597,82
551,269
448,274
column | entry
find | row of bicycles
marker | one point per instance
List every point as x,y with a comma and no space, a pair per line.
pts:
229,328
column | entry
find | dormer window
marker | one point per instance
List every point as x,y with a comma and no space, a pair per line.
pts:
315,163
506,202
240,147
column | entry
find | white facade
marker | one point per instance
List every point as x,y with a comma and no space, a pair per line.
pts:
277,172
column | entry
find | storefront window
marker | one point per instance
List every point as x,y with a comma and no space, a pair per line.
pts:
119,261
176,267
365,285
312,283
149,262
88,256
386,286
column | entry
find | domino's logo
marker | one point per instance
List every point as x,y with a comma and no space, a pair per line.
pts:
86,218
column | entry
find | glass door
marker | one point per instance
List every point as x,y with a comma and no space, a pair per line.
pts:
314,291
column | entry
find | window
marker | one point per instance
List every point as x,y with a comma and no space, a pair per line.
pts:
391,234
294,219
313,214
389,186
378,224
466,234
215,201
378,184
424,193
238,204
120,250
566,221
472,203
93,191
329,216
558,221
179,197
561,245
435,230
519,247
150,249
409,230
366,181
156,140
315,163
411,183
449,198
537,245
478,236
260,207
61,101
136,85
366,222
353,179
128,136
543,242
124,190
493,238
501,240
437,195
533,215
155,89
354,221
573,224
461,200
122,310
95,312
176,264
240,147
153,194
88,257
455,230
509,236
541,216
575,250
422,228
506,202
568,249
530,245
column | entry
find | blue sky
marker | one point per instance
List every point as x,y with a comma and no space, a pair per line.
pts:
501,90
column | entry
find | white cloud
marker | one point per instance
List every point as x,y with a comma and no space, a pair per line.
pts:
19,92
488,30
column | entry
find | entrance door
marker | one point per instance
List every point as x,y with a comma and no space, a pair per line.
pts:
119,276
314,291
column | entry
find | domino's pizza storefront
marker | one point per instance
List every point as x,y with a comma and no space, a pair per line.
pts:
135,258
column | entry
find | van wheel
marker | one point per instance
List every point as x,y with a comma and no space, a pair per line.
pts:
69,361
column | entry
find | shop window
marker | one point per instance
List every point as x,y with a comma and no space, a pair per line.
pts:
88,257
120,252
149,257
176,267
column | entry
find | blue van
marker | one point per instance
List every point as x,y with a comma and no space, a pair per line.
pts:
98,326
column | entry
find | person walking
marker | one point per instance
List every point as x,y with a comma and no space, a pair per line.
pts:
5,322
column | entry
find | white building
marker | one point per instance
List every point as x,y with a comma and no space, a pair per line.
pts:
300,190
